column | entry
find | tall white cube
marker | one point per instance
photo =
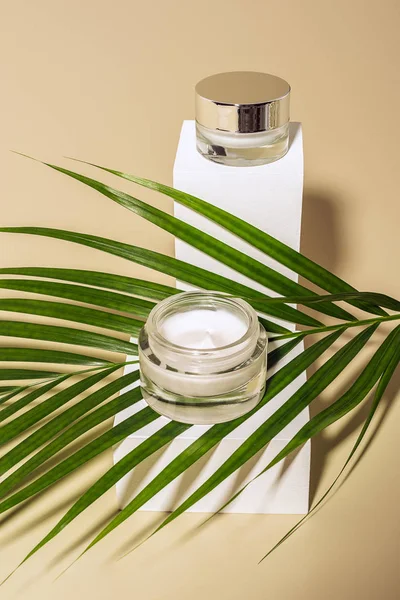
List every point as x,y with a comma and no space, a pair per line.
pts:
269,197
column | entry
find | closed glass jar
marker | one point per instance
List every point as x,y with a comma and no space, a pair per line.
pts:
202,358
242,118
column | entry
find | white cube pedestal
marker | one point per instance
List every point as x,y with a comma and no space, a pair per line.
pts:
269,197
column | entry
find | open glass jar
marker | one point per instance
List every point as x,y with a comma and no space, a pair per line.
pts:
202,358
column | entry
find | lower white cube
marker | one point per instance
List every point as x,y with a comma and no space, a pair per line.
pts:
281,490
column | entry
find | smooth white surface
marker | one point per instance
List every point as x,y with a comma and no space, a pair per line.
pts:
203,328
269,197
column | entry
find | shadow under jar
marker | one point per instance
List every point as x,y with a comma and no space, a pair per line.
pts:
202,358
242,118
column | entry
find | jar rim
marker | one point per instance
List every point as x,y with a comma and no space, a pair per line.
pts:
201,299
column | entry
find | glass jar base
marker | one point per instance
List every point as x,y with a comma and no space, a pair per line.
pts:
237,161
202,414
242,150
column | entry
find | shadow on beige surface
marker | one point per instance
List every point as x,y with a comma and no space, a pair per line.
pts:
320,213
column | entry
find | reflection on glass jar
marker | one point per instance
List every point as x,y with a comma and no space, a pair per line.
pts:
202,358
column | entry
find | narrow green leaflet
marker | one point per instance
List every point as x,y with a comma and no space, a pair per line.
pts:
204,242
39,355
96,417
8,388
276,355
65,335
282,417
14,391
60,422
14,374
342,327
71,312
214,435
81,293
129,285
381,300
380,390
170,266
8,411
255,237
34,415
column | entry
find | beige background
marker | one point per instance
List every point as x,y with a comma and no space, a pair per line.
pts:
111,82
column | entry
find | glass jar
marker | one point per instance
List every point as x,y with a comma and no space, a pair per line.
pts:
242,118
202,358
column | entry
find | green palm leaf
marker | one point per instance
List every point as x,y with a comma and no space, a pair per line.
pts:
130,301
14,374
170,266
222,252
18,405
39,355
65,335
129,285
283,254
8,388
380,300
277,383
342,327
13,391
80,293
71,312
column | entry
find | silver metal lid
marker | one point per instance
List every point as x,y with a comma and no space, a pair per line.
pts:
242,102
